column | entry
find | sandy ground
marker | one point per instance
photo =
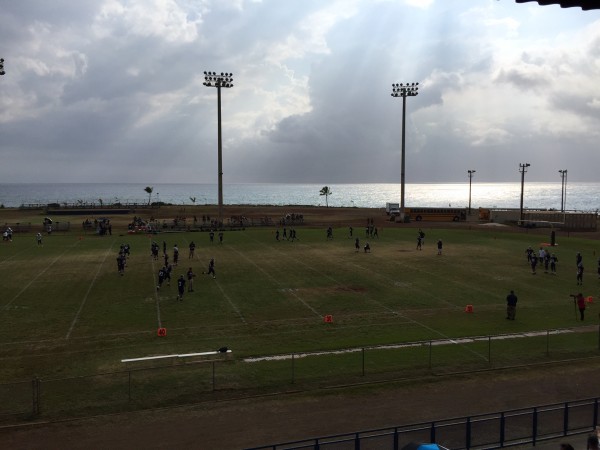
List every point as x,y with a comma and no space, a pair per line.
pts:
244,423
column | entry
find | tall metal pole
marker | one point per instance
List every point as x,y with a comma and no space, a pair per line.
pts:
404,90
563,174
522,168
212,79
565,202
403,163
220,154
471,172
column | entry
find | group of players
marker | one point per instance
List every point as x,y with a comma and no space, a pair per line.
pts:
550,260
164,273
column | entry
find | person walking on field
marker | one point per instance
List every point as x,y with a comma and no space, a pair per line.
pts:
190,279
180,287
175,254
357,244
534,262
553,261
580,274
211,268
439,246
511,306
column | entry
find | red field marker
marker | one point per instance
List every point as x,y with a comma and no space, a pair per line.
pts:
162,332
328,318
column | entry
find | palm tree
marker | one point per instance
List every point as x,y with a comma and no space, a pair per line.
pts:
326,192
193,199
149,190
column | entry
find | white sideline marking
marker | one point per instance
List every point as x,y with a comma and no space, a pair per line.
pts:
459,341
154,282
184,355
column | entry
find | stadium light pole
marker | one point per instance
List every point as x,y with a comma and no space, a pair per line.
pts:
224,80
563,192
523,169
404,90
471,172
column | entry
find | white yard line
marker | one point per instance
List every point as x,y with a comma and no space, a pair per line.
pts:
278,283
381,305
5,307
156,295
85,297
233,305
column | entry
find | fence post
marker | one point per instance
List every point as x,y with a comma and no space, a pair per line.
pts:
432,432
502,429
547,342
468,436
595,422
489,350
534,426
566,419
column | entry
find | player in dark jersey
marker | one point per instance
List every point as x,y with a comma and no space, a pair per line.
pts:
211,268
161,277
121,263
357,244
580,274
533,261
180,287
192,250
154,251
553,261
190,278
175,254
169,268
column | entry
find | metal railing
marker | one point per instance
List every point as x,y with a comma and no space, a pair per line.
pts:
525,426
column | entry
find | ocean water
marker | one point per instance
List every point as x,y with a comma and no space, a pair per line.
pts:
580,196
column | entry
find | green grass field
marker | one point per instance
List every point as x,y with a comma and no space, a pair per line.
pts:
67,312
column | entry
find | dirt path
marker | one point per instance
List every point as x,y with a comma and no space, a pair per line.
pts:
252,422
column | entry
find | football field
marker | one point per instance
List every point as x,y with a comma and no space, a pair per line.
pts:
67,311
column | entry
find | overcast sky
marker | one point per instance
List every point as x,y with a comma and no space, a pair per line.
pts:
111,90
